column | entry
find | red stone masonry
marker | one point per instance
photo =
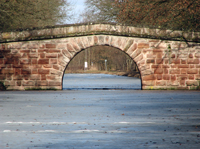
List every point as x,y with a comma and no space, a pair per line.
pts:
39,61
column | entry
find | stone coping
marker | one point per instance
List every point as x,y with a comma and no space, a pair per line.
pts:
75,30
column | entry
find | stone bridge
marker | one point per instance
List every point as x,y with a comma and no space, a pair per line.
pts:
37,58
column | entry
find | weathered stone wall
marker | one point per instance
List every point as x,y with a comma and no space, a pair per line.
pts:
30,64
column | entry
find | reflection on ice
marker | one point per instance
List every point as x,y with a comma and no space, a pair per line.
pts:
100,82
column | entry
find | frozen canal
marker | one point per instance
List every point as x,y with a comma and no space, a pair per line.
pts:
100,119
99,82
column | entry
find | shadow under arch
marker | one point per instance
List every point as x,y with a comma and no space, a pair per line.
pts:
107,47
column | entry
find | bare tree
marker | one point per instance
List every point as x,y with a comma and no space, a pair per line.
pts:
17,14
99,11
171,14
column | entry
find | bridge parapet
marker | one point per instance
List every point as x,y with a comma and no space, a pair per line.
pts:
97,29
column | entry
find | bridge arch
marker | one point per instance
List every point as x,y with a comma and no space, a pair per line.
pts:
75,45
36,59
105,47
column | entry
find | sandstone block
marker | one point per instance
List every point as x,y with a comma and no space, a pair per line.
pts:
18,77
107,40
26,71
173,77
49,46
75,46
148,83
101,40
165,66
28,83
150,61
141,63
1,61
128,44
182,77
159,61
43,61
53,51
56,67
53,61
190,55
133,48
138,58
173,55
43,77
47,66
166,77
67,53
191,77
33,55
43,71
157,50
43,51
56,72
9,83
197,77
151,56
70,48
2,77
42,83
175,71
182,82
193,61
143,45
192,66
148,77
50,77
192,83
25,61
42,55
96,40
192,71
18,83
113,41
25,51
197,55
156,66
51,55
176,61
34,61
34,71
159,77
173,83
54,83
158,71
161,83
35,77
8,71
159,55
184,71
183,66
135,53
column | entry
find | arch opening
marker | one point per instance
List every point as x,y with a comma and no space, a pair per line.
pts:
101,67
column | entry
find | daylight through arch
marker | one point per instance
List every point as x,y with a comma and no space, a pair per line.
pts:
101,59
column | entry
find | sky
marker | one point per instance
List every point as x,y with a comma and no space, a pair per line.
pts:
78,7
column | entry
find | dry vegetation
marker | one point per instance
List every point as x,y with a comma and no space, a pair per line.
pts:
117,62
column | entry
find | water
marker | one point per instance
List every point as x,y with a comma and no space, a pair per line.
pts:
100,82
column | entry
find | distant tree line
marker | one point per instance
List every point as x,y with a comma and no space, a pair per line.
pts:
102,58
170,14
21,14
